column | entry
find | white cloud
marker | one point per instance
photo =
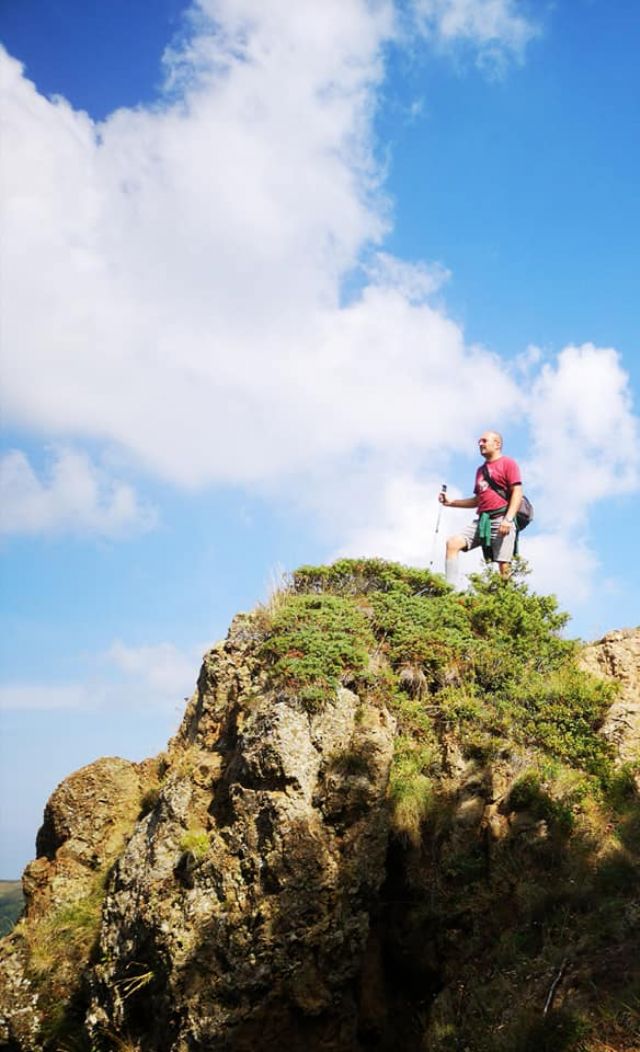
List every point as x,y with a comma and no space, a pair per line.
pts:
186,302
415,282
402,525
584,451
75,496
585,434
496,29
526,362
402,521
563,564
161,666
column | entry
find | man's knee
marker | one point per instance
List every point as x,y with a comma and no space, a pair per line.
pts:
455,545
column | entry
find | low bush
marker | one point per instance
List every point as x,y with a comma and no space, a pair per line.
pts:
314,642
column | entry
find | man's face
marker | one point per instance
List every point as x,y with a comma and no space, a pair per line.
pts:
488,444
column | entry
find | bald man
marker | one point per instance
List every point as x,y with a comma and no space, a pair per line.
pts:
494,527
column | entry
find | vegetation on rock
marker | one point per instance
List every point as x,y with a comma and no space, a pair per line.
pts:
59,946
488,668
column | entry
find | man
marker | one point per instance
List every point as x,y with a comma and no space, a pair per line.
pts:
494,527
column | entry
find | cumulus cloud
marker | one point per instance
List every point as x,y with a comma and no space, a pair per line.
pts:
186,301
584,450
153,676
584,432
405,523
74,495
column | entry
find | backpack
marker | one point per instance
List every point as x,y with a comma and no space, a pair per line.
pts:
525,515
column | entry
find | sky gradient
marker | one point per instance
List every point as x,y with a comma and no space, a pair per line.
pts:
268,270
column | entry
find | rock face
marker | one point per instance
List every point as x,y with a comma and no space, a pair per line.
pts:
254,888
617,656
241,903
82,831
86,821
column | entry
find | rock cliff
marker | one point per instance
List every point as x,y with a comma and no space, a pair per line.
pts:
393,818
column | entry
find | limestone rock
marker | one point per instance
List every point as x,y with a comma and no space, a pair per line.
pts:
617,655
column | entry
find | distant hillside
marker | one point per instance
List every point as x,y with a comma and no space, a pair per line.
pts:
11,903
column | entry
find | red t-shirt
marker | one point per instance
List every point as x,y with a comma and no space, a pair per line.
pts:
505,473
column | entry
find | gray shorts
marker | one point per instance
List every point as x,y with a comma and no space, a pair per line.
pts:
501,547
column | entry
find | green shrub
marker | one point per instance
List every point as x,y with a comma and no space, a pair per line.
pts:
562,711
528,625
316,641
433,634
491,665
363,576
621,789
628,829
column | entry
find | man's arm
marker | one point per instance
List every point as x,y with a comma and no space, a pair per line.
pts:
464,502
515,500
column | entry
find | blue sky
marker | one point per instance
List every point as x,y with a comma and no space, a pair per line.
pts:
268,271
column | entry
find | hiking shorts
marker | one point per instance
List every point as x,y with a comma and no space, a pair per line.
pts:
501,547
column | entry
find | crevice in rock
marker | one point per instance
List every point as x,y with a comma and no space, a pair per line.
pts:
401,971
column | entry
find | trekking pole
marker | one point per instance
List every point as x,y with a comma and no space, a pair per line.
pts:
435,541
435,536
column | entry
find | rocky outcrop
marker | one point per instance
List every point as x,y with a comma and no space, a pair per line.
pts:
253,887
241,903
86,822
617,656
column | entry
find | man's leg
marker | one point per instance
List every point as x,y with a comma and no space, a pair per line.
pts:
503,550
455,545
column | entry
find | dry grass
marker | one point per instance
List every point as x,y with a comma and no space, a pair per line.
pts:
68,934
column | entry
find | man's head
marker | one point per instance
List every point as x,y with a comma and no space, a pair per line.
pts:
490,445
